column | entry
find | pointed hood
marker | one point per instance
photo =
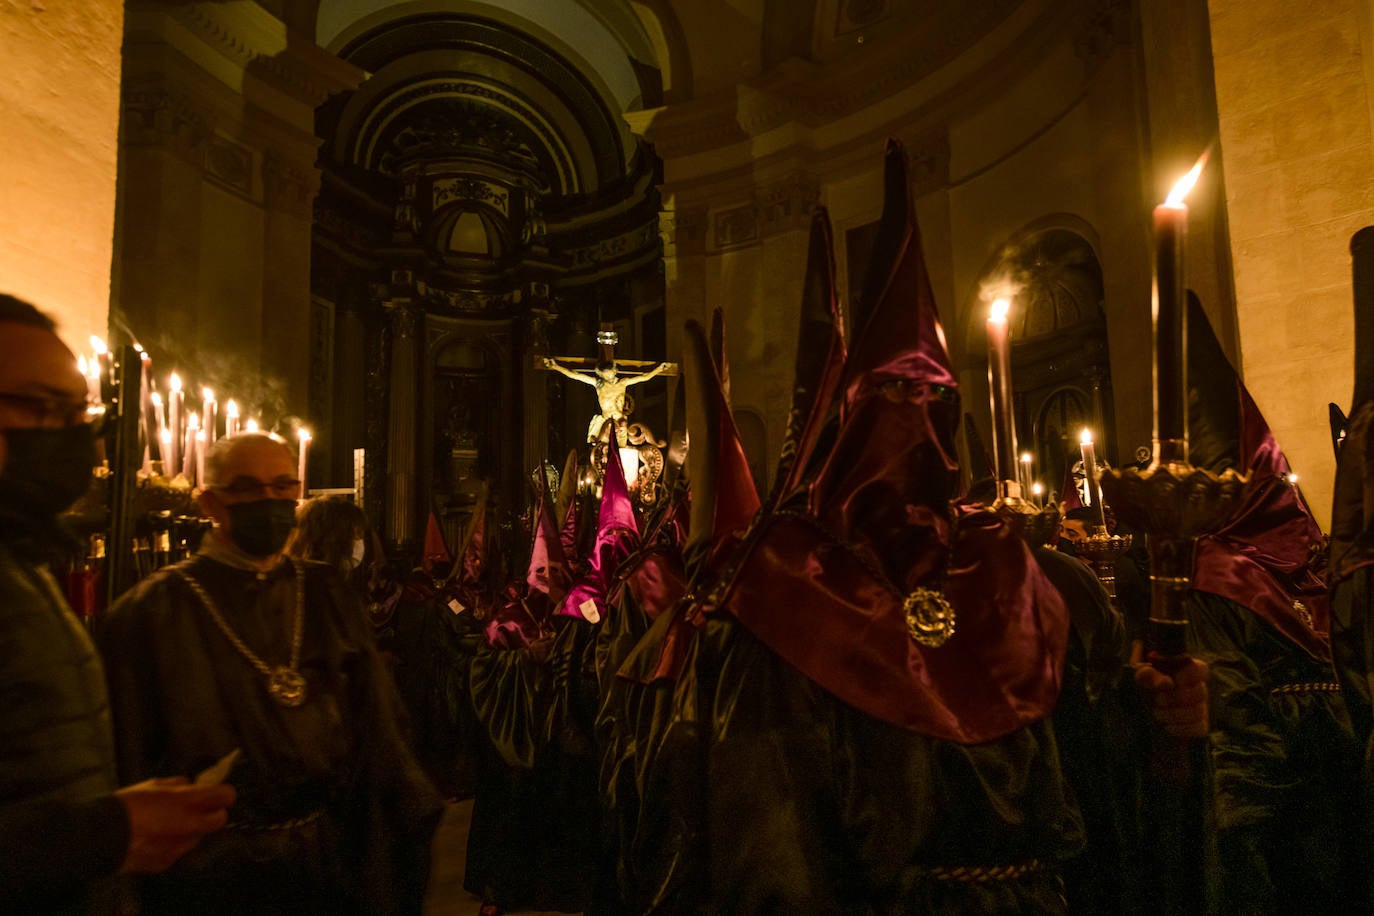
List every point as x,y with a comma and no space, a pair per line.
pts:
718,355
470,565
675,456
1261,557
567,489
724,498
894,466
436,555
1352,519
979,458
617,536
548,569
568,534
820,360
1069,497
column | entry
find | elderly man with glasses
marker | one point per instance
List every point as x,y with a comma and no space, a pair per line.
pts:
67,828
242,649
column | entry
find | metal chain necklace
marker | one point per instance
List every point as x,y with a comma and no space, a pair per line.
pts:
285,684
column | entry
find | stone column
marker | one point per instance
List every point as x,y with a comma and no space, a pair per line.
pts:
402,438
535,385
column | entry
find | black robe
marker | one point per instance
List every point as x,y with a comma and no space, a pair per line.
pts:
333,813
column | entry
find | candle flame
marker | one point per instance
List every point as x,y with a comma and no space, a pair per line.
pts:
232,409
156,399
1085,437
193,421
98,346
998,310
143,354
81,364
303,434
250,426
1037,488
1292,478
207,394
167,437
1185,184
174,382
138,347
200,435
1026,458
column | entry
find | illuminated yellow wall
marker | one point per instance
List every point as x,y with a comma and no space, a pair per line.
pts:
60,99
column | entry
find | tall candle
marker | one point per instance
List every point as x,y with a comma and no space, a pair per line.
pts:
1025,478
165,437
188,456
231,418
201,444
209,411
999,381
1085,445
304,435
102,369
1170,314
90,371
146,419
171,461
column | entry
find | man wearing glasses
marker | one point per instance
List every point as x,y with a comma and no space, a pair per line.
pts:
66,828
239,649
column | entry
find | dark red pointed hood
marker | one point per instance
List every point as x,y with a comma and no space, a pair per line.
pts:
1261,558
617,536
724,498
548,569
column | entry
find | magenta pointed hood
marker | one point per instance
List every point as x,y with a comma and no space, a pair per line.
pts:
617,536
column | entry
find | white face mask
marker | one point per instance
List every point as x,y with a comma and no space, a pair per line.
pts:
359,550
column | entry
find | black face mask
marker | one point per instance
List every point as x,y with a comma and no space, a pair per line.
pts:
46,470
261,528
1069,547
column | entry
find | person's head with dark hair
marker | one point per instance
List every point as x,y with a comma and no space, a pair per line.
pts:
46,443
331,530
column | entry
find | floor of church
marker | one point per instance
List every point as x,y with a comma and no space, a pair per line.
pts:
446,896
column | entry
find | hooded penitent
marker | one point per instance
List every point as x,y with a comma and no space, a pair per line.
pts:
1352,510
519,620
820,360
436,553
1261,558
617,535
825,589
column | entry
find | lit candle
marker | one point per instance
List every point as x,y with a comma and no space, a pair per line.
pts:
104,377
304,435
1170,322
90,371
171,460
1038,491
209,410
629,461
166,438
145,408
188,456
1025,478
231,418
202,442
1094,492
999,381
251,426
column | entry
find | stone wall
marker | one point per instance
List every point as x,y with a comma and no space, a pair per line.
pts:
60,96
1294,95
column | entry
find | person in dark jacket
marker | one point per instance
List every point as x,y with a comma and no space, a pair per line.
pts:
67,827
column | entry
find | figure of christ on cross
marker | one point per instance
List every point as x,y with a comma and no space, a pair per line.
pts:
610,385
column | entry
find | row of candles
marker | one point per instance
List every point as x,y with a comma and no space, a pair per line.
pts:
184,434
1170,368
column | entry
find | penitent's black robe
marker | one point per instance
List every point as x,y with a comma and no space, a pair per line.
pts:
334,815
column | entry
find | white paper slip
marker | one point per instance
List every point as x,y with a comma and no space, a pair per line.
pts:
219,771
589,611
456,606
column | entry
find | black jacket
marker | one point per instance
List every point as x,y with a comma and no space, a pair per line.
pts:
63,830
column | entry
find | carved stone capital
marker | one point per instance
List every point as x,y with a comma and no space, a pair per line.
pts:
153,116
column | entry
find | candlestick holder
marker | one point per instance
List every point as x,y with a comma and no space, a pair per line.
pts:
1174,503
1102,550
1035,524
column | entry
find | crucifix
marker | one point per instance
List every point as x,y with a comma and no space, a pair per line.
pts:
608,376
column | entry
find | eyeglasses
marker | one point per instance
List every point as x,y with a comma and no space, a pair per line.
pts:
49,413
246,489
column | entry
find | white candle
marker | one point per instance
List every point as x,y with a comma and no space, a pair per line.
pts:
251,426
166,438
101,368
201,444
188,460
1025,478
304,435
176,405
1085,445
209,411
231,418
